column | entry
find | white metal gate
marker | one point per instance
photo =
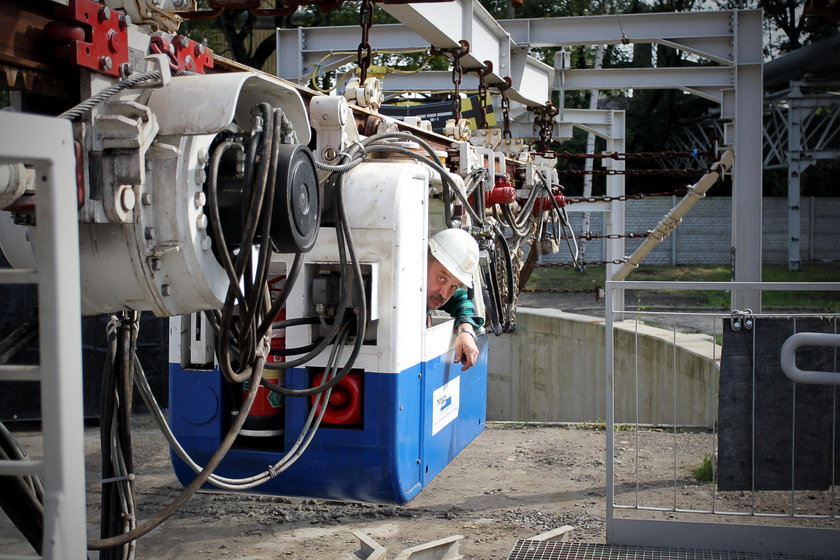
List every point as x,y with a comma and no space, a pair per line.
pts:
731,514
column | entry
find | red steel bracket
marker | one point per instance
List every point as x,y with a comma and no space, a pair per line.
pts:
105,47
191,55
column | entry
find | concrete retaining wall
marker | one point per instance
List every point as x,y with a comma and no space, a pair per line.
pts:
552,370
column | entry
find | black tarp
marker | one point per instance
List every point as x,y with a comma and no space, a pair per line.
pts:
783,429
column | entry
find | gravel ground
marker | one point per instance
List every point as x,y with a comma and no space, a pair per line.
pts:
513,482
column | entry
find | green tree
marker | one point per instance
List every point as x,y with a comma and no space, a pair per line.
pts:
787,25
236,27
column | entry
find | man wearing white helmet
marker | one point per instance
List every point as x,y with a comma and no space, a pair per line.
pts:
453,262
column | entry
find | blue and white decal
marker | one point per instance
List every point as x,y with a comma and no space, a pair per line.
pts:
446,400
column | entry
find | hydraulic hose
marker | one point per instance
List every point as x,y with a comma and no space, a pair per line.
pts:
200,479
344,238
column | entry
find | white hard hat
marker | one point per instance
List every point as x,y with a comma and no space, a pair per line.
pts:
457,251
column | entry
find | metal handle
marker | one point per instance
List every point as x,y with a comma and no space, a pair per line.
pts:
788,356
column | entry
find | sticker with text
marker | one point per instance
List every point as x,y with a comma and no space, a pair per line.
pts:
445,403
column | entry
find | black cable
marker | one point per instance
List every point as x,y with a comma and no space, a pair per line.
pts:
510,221
215,216
563,216
280,301
198,481
18,498
18,339
344,238
106,419
432,161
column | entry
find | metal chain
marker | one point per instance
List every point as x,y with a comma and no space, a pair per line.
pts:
457,72
623,197
503,87
544,119
502,278
457,76
517,263
482,73
638,155
576,265
589,236
366,22
632,171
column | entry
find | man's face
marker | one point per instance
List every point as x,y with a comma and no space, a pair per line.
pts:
441,285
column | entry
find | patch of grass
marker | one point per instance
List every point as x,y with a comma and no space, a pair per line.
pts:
601,426
817,272
705,471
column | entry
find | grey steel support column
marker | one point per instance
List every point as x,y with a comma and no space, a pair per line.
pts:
747,180
794,174
615,217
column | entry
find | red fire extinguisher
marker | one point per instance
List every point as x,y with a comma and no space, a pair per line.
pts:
266,418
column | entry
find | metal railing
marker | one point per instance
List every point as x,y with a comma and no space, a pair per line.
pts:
755,495
47,144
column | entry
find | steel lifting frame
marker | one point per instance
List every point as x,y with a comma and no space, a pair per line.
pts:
801,129
48,144
441,25
730,39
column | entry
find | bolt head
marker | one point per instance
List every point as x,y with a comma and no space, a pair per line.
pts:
114,41
164,290
183,41
104,13
201,221
146,199
198,50
105,63
206,243
149,233
128,199
200,199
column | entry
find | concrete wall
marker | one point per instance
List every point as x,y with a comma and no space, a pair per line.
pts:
705,234
552,370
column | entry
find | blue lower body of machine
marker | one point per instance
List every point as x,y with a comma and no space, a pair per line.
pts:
413,424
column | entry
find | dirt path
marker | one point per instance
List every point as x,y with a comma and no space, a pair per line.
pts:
511,483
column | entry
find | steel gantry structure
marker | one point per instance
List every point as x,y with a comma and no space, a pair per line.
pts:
729,40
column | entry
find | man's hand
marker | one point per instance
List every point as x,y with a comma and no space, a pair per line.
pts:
466,352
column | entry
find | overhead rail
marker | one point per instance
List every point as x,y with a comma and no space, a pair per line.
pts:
442,26
708,35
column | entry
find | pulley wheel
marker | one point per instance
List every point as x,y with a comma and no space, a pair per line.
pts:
297,205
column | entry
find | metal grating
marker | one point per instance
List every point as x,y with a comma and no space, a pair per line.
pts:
553,550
